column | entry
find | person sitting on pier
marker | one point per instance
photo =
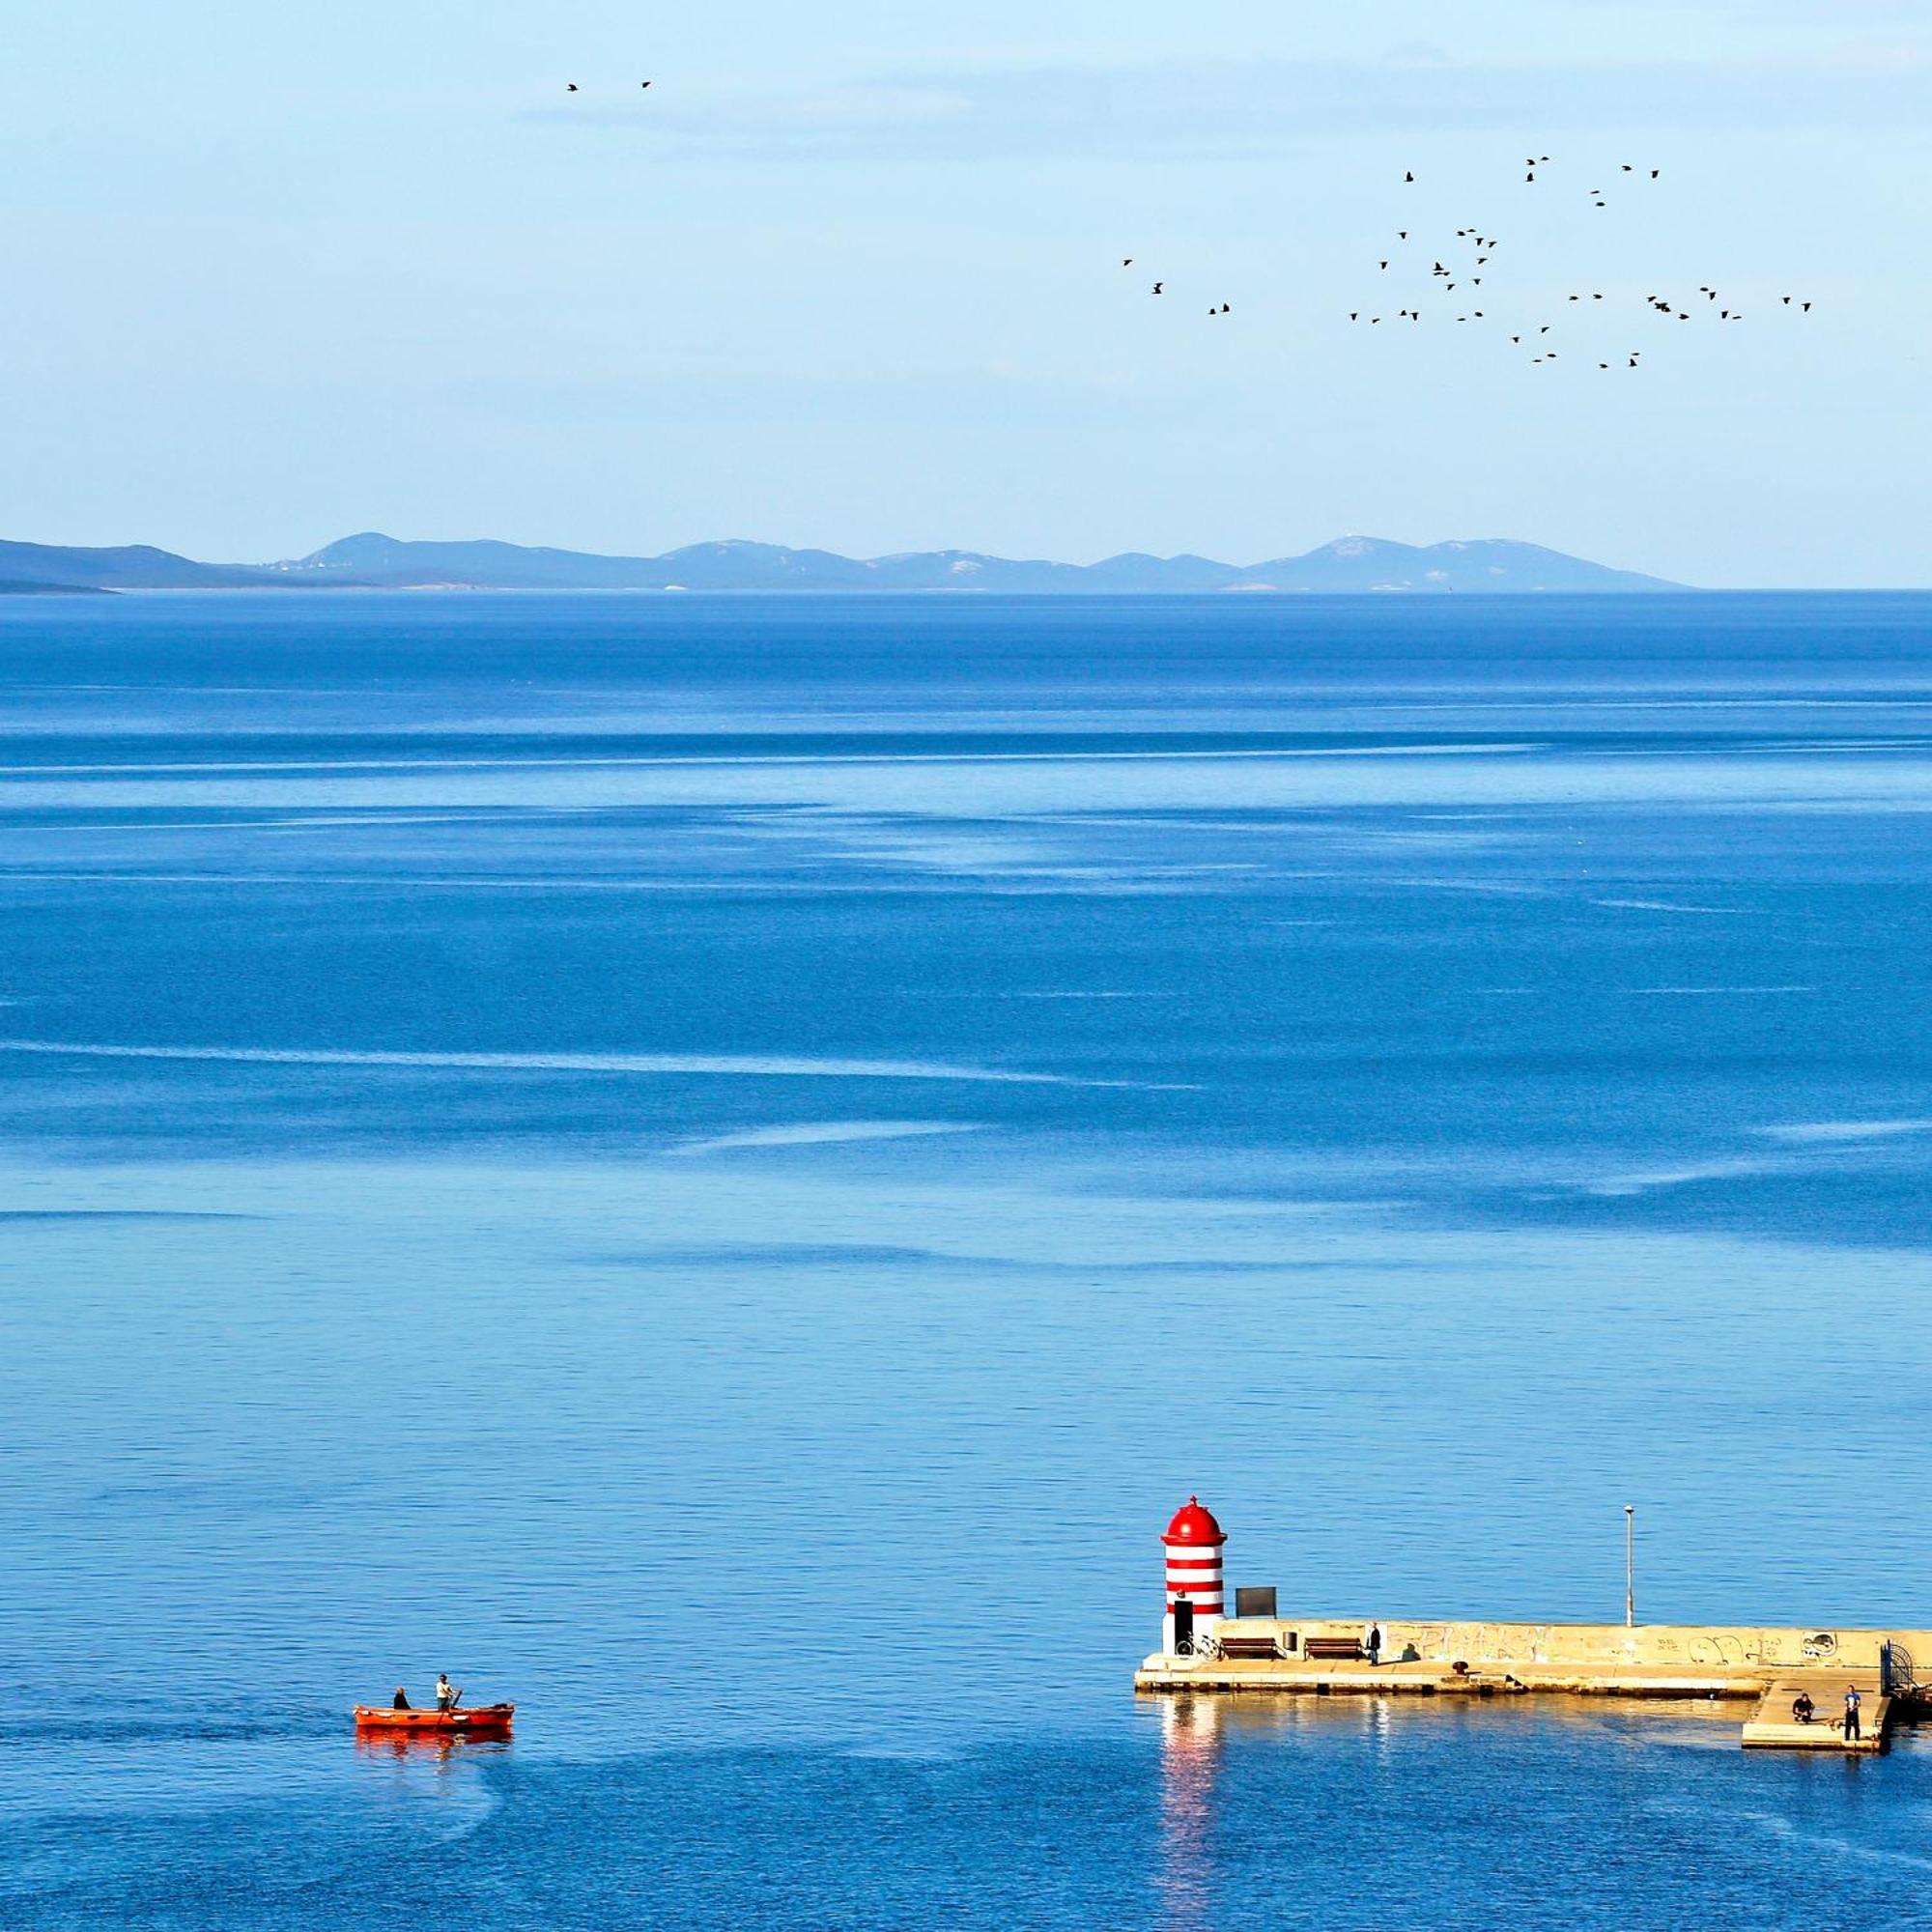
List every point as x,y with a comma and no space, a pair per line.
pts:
402,1702
1853,1703
1802,1708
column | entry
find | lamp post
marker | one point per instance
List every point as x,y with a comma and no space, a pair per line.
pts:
1629,1566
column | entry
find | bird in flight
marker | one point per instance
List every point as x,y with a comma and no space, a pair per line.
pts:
1158,287
643,83
1126,261
570,87
1408,176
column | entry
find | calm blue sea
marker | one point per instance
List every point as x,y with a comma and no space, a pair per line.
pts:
718,1166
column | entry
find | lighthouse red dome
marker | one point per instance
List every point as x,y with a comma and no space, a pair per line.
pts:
1194,1526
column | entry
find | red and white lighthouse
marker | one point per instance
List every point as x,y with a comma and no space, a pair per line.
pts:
1193,1544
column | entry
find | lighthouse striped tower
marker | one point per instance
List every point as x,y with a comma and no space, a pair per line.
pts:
1193,1543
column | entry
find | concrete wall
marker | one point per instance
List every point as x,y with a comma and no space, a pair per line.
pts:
1705,1648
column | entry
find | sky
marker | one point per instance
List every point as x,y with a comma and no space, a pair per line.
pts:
850,276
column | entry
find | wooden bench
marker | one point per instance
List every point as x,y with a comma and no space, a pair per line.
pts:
1246,1644
1344,1647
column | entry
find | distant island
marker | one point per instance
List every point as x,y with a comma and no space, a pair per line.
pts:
371,562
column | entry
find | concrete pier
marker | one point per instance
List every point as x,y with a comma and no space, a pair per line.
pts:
1763,1666
1775,1725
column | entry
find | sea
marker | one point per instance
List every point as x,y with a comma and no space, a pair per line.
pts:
718,1167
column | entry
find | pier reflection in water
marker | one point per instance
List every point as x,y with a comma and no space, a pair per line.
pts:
1384,1810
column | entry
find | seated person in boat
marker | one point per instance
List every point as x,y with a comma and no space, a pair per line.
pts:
446,1693
402,1702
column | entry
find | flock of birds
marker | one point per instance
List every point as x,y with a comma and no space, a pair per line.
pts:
1477,251
1471,252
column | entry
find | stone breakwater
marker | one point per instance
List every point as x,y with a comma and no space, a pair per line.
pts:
1765,1665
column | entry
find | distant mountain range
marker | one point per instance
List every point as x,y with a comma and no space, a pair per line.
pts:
372,561
46,567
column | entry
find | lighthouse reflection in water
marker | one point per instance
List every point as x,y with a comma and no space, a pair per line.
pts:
1190,1755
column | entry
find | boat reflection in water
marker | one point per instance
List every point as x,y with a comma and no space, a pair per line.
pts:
430,1747
1190,1757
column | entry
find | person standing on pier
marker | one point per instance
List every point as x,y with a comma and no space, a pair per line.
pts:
1853,1703
1373,1644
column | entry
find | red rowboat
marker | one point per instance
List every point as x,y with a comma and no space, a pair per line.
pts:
483,1718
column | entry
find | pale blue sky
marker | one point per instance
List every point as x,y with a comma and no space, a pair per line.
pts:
849,276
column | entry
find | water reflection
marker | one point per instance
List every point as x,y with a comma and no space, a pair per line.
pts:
400,1745
425,1750
1190,1753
